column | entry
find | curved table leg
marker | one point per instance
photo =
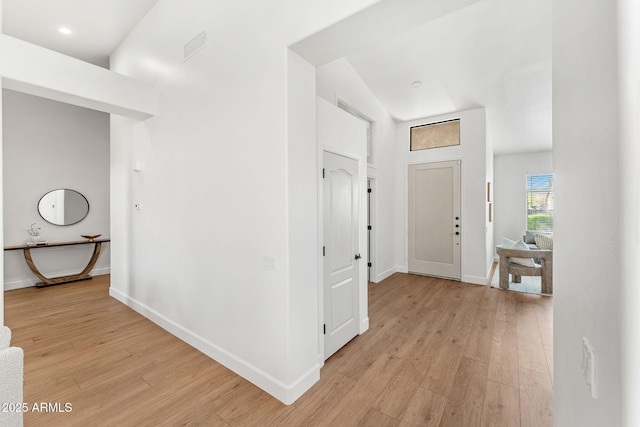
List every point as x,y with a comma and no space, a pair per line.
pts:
46,281
32,266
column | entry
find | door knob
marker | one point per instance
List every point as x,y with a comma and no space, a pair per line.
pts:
358,256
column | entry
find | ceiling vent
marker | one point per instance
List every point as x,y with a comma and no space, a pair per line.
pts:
194,46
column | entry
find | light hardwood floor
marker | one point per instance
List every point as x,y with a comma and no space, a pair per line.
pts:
438,353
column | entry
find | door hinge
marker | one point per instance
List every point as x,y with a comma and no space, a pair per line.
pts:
324,329
368,227
368,190
322,172
368,264
323,251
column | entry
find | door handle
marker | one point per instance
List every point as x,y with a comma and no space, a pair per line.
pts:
358,257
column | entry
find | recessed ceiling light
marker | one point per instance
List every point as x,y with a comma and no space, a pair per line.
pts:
64,30
416,84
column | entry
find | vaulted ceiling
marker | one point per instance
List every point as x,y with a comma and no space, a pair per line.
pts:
97,26
494,54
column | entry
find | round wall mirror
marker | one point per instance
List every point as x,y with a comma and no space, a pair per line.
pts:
63,207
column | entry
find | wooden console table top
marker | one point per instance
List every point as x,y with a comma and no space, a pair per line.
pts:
54,244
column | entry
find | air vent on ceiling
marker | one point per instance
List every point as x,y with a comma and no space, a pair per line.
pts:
195,45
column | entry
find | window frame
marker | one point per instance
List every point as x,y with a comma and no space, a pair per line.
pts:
531,190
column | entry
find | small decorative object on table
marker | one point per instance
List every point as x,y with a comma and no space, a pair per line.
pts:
91,237
34,236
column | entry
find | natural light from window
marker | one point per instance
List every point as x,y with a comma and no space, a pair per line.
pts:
540,202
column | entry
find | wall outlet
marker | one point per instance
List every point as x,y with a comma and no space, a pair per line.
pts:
589,371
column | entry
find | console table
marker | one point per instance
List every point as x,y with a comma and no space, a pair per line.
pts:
46,281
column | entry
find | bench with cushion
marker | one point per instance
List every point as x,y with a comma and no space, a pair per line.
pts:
544,268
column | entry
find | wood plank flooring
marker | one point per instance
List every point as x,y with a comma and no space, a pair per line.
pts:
438,353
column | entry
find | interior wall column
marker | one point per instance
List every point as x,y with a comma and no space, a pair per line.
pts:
1,203
1,197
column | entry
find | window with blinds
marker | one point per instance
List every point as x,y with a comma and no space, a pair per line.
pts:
540,202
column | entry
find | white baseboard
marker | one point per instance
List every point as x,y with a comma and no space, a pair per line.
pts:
380,277
286,393
19,284
300,386
477,280
28,282
364,325
404,269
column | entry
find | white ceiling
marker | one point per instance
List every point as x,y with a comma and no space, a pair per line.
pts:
98,25
494,54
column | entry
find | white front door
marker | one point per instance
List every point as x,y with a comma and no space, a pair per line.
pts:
435,226
341,257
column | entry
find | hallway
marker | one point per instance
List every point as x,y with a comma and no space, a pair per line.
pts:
438,353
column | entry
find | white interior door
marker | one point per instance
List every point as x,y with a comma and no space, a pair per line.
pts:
341,257
435,225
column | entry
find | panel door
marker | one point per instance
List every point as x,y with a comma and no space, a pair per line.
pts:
434,219
341,225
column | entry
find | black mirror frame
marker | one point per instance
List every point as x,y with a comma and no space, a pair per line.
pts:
64,189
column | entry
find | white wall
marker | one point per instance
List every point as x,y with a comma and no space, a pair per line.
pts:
1,190
50,145
304,244
587,203
339,81
476,233
217,190
629,217
510,191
